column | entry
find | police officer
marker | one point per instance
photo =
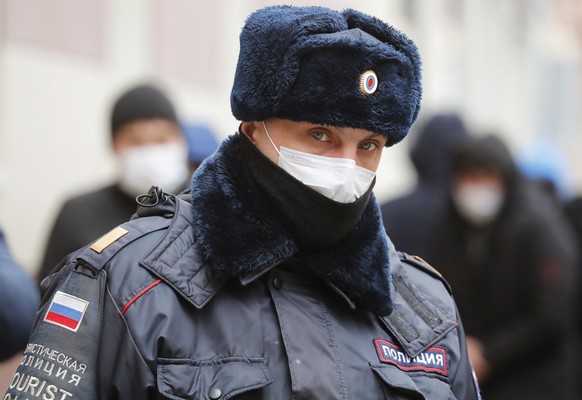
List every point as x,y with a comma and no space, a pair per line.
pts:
273,278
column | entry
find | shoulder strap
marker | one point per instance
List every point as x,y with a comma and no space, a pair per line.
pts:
97,255
421,264
423,310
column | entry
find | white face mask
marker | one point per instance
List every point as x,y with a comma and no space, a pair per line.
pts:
339,179
479,203
164,165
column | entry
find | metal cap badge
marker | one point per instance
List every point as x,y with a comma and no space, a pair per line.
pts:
368,82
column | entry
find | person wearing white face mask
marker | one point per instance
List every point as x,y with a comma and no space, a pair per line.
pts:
273,278
509,256
479,195
150,150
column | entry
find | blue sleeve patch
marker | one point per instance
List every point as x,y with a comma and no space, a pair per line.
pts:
62,363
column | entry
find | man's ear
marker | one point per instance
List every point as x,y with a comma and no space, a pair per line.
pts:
248,129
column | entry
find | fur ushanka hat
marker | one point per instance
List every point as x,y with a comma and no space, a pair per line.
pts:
318,65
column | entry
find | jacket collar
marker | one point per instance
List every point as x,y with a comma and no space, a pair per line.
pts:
239,235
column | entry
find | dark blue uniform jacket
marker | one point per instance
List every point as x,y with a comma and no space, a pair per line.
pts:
184,302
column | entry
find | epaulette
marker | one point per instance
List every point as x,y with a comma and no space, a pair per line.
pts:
423,265
157,206
99,253
423,310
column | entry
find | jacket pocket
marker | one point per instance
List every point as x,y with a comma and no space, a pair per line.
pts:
402,386
186,379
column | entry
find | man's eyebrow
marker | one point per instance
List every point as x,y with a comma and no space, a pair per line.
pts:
377,135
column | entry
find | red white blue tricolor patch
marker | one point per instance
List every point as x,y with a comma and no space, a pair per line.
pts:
66,311
433,359
368,82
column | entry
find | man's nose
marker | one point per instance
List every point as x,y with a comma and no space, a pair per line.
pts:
346,151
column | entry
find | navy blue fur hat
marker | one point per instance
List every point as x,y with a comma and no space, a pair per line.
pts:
317,65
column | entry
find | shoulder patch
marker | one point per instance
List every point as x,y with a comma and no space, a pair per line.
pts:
60,360
66,311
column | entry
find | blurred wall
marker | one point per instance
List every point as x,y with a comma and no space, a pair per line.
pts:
511,66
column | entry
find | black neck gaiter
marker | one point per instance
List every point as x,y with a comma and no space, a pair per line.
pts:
314,221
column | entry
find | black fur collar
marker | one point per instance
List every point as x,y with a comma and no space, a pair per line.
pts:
240,235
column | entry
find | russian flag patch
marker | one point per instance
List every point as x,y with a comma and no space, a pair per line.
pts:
66,311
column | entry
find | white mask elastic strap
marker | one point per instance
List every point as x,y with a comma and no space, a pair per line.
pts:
271,140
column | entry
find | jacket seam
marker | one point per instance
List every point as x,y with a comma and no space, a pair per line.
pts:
343,388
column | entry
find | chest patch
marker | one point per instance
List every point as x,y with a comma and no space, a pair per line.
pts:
433,359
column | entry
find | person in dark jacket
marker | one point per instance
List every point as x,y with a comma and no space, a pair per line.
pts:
508,254
151,149
573,211
273,277
410,220
19,300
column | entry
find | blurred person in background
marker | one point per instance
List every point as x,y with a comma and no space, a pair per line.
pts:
573,210
545,164
273,278
410,220
202,142
19,299
508,255
151,150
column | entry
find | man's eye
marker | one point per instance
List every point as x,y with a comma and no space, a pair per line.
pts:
319,135
370,146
